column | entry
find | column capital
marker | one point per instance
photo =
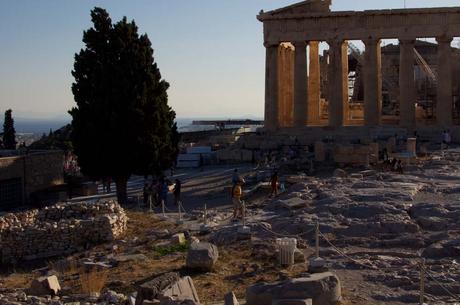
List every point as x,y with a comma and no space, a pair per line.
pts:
271,44
444,39
371,41
407,41
299,44
335,42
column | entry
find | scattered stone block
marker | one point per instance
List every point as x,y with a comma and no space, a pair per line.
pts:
151,302
202,256
45,285
151,289
322,288
178,239
183,290
340,173
299,256
230,299
293,302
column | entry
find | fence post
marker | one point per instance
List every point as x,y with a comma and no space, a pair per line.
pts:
150,204
180,211
317,239
205,215
422,281
163,207
244,213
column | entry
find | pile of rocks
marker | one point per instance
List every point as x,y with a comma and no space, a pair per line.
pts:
60,229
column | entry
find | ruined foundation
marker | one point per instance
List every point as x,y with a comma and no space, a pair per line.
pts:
60,229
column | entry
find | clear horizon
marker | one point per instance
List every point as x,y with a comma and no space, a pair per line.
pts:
211,52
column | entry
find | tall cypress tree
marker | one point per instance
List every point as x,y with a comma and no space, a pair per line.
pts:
9,133
122,124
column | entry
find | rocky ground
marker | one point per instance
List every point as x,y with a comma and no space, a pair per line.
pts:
376,227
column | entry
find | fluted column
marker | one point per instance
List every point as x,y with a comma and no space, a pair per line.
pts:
314,90
337,82
300,84
271,87
372,82
444,99
407,89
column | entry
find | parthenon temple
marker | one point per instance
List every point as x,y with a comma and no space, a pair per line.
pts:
309,85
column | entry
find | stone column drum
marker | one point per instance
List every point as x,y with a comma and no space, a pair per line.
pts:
372,82
271,87
444,84
338,84
314,90
407,84
300,84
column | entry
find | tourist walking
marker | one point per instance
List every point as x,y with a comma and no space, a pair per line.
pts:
236,198
164,191
274,184
176,192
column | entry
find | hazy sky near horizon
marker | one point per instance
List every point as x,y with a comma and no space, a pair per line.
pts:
210,51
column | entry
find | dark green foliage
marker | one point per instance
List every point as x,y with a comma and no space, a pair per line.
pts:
122,124
59,139
9,133
165,250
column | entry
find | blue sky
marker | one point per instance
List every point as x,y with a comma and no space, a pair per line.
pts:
210,51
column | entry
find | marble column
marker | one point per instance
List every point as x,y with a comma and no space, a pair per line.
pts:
271,87
372,82
338,82
314,89
300,85
444,100
286,85
407,89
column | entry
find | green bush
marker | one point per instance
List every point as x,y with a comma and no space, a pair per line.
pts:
165,250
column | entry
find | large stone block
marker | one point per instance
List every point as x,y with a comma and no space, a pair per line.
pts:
293,302
322,288
45,285
202,256
152,289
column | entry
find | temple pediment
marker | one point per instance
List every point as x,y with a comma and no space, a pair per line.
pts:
304,7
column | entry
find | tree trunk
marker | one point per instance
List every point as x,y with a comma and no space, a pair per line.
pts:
122,194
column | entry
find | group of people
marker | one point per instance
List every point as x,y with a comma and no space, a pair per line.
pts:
156,192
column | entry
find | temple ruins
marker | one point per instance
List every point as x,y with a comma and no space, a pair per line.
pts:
415,89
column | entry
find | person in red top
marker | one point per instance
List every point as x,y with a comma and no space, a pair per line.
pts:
274,184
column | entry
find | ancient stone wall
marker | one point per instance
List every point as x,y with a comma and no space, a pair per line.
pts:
60,229
37,170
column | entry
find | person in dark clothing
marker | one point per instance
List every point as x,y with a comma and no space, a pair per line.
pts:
399,167
146,193
176,192
274,184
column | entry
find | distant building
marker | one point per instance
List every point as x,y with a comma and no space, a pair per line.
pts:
23,174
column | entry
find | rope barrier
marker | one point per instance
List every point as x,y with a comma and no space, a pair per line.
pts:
345,255
281,234
441,285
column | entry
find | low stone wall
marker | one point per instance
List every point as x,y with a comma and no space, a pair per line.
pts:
60,229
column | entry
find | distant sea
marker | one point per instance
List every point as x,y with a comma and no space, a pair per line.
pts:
40,126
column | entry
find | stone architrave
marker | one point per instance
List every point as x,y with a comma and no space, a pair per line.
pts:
407,89
271,87
372,82
300,84
444,101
